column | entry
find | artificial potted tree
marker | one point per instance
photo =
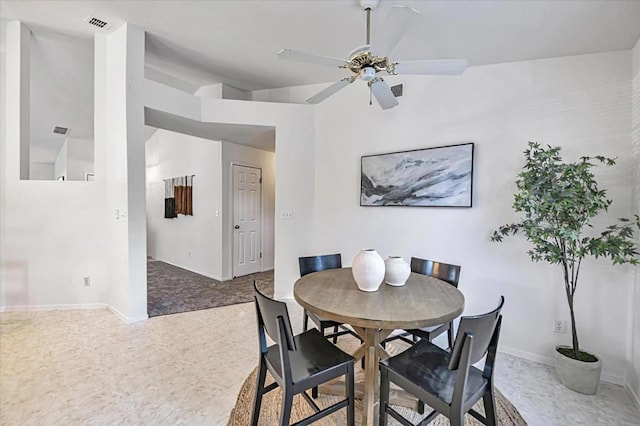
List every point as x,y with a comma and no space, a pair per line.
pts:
558,201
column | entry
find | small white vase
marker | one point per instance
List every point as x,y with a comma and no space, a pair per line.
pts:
397,270
368,270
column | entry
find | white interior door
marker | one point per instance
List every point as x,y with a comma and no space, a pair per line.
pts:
247,220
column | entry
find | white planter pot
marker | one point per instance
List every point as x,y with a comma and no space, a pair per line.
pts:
397,270
368,270
579,376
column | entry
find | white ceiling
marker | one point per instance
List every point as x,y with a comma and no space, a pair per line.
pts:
236,42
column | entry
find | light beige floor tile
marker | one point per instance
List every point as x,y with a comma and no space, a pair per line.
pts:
87,367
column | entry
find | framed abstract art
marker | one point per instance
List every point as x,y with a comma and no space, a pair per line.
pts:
430,177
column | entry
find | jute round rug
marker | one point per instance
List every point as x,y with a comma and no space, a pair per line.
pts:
508,415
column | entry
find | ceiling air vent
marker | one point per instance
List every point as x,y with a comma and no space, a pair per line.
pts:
397,90
60,130
98,23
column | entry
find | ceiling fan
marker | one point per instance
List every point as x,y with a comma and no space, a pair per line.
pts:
366,62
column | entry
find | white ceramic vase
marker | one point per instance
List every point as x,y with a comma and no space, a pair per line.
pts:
397,270
368,270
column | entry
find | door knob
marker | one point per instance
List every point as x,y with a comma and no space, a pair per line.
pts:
236,227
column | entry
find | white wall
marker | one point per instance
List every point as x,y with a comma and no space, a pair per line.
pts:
295,162
191,242
246,156
41,171
103,224
74,160
633,374
3,155
79,158
120,167
222,91
581,103
51,233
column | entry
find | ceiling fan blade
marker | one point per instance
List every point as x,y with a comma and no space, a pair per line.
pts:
296,55
393,29
331,90
383,94
432,67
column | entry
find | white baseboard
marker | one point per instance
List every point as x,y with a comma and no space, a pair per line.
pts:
63,307
605,377
1,309
125,319
632,395
187,269
527,355
69,307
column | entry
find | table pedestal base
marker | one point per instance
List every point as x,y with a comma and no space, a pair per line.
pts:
366,386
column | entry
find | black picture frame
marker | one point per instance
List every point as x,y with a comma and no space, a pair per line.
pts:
440,176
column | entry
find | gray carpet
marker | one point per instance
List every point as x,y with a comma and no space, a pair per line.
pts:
171,289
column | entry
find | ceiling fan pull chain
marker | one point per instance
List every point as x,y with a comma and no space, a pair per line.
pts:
370,94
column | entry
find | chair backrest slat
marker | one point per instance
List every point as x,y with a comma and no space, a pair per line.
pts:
269,311
309,264
482,328
443,271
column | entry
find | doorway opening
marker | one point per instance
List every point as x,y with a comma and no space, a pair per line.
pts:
192,259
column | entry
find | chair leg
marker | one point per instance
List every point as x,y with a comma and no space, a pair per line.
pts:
305,320
287,403
384,396
490,407
350,395
420,407
314,392
450,335
335,331
262,374
456,418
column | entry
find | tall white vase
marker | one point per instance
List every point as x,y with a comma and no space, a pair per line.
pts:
368,270
397,271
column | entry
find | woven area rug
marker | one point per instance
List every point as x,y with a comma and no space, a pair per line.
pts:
508,415
171,289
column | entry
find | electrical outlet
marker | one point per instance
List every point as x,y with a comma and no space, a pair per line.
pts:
87,281
560,326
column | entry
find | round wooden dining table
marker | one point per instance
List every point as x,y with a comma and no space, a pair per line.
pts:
423,301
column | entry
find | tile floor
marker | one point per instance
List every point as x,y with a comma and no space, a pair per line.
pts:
87,367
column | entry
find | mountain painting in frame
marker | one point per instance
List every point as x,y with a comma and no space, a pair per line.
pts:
430,177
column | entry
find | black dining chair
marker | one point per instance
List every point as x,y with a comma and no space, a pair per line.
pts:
309,264
446,272
297,363
447,381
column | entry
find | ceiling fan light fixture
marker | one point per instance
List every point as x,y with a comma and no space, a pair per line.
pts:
368,74
369,4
